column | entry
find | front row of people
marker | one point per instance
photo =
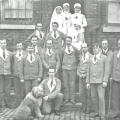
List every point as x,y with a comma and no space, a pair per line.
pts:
43,99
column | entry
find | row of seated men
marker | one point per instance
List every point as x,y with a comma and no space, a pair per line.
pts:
94,71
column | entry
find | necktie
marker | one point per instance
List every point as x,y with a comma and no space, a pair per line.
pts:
40,35
55,34
4,54
49,52
31,57
69,51
95,58
51,83
19,54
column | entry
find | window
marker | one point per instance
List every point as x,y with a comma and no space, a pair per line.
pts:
113,12
17,9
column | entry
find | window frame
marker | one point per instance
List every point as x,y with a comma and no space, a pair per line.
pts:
20,21
107,22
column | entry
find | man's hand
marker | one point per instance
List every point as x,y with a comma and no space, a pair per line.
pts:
88,86
22,80
45,98
104,84
39,79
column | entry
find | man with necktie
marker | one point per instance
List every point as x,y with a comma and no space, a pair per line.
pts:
50,58
39,33
18,55
5,72
108,53
97,78
53,97
31,70
82,68
115,93
69,68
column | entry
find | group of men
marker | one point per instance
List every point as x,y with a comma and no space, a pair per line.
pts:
51,61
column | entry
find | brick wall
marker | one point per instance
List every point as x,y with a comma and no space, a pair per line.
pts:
95,11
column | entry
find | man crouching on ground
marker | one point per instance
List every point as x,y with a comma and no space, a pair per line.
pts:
53,97
30,106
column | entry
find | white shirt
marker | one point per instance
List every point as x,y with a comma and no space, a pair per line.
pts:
67,49
29,57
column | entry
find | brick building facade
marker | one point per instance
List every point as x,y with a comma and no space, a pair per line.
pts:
15,30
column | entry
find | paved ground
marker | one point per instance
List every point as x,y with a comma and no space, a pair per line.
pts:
7,114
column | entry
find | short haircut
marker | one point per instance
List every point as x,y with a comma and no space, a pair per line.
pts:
56,23
96,44
34,37
68,37
49,40
104,41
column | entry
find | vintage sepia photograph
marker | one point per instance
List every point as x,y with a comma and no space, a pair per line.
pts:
59,59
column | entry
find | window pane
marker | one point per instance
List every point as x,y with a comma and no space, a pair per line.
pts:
113,12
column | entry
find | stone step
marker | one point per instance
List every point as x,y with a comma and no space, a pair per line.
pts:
71,107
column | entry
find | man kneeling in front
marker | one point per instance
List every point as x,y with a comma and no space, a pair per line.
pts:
53,97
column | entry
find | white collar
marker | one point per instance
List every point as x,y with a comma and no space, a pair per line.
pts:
97,58
37,33
33,58
105,51
51,88
86,57
6,53
36,49
17,54
51,52
71,49
57,34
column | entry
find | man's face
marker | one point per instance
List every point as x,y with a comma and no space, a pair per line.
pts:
77,9
3,44
49,44
39,27
19,47
66,8
104,45
55,27
68,42
51,74
58,10
118,44
96,50
34,41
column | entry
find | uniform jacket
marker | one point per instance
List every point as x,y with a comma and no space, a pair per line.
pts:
109,55
50,60
17,62
59,41
83,64
32,70
70,61
98,72
41,38
45,85
6,64
115,72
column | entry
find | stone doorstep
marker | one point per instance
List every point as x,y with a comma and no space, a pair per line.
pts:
71,107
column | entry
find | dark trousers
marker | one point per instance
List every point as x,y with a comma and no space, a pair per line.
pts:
98,98
84,94
69,78
29,84
5,85
115,98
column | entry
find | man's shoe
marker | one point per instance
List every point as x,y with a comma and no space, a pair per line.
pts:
94,115
65,102
57,112
72,101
